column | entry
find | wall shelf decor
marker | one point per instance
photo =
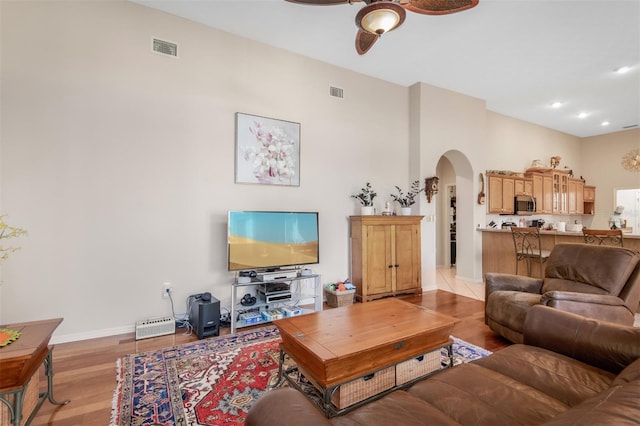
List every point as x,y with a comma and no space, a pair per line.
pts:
631,161
431,187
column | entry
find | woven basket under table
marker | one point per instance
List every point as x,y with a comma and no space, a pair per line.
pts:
417,367
336,299
364,387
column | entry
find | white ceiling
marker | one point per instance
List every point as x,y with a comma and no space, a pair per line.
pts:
518,55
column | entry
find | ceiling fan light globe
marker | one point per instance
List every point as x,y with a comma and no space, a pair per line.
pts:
380,21
381,17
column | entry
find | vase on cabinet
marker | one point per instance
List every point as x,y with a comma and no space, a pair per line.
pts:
366,210
405,211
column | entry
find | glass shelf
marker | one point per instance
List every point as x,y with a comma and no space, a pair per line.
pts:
297,295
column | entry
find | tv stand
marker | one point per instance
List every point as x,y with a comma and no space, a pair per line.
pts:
300,288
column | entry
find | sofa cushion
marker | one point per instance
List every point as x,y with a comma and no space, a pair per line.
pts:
284,407
474,395
560,284
630,373
602,344
399,408
572,267
618,406
562,378
509,308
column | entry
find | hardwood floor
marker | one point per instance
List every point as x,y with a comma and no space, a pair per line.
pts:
85,371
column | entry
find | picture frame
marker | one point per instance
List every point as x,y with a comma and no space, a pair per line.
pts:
267,151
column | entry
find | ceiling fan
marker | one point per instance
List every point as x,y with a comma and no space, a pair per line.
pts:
381,16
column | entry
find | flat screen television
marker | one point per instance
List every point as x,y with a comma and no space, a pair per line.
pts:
263,240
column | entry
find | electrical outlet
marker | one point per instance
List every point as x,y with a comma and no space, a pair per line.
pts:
166,290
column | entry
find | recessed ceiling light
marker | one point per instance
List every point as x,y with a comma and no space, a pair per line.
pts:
604,123
583,115
623,69
557,104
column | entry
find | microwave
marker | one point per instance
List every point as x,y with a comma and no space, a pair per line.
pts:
524,205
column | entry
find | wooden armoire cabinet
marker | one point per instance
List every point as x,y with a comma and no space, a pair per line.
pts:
385,256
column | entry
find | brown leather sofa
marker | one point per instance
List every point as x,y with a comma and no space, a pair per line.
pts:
594,281
571,370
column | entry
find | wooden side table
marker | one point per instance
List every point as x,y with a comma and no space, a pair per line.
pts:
20,361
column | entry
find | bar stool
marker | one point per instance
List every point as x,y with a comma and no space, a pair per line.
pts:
603,237
526,242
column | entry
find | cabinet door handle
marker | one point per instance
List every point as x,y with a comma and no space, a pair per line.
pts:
390,266
397,266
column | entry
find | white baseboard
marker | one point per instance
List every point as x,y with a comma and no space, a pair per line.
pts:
429,287
74,337
470,280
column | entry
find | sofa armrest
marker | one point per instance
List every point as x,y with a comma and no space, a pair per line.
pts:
599,306
572,296
285,407
497,282
602,344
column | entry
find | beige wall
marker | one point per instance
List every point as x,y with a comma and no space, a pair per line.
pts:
513,144
453,125
120,161
601,157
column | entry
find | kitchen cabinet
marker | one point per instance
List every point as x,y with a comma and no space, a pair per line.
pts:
580,197
385,256
501,194
537,191
523,186
589,199
576,196
560,192
542,184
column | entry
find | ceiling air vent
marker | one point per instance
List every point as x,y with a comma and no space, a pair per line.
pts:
630,127
165,47
336,92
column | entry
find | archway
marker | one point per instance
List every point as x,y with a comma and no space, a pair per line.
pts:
455,171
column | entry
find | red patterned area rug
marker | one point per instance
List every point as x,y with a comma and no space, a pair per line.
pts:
209,382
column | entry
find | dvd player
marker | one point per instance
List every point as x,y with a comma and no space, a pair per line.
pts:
274,292
274,297
277,275
278,287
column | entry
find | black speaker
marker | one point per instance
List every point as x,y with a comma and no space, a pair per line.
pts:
204,316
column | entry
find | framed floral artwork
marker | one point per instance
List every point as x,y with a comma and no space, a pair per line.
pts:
267,151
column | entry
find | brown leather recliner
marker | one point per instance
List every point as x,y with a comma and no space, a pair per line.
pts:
571,370
593,281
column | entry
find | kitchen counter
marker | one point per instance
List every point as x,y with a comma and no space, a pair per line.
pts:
498,254
554,232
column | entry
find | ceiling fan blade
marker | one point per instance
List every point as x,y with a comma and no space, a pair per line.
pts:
365,41
321,2
439,7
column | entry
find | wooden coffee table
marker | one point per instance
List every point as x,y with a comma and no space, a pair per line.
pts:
337,346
